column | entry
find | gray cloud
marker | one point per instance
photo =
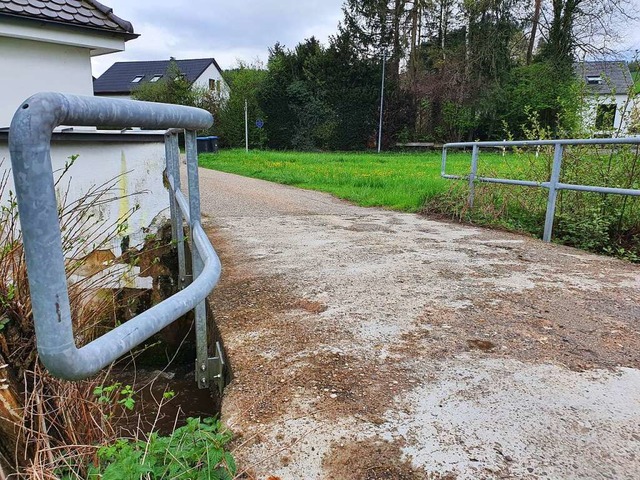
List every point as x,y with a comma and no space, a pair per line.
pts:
229,31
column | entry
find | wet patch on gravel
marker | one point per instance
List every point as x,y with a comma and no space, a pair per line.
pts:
354,461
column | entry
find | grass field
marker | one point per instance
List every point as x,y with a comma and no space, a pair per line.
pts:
411,181
394,180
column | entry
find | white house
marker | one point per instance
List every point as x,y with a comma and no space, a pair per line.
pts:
123,77
607,86
47,45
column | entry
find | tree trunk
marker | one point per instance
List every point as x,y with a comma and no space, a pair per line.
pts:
534,30
398,11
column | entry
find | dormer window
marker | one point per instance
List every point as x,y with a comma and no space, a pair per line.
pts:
137,79
594,80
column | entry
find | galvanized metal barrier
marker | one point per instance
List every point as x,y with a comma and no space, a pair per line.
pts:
29,144
553,185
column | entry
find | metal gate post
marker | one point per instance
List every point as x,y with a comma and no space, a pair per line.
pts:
173,205
473,174
553,192
202,355
443,164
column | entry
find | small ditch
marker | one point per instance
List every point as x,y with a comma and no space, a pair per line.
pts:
164,366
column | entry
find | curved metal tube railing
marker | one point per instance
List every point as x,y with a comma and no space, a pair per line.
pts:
29,144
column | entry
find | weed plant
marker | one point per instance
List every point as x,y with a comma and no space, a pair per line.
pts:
192,452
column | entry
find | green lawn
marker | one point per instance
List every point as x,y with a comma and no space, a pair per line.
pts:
407,181
401,181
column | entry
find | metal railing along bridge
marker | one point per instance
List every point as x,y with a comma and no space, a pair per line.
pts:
553,184
29,144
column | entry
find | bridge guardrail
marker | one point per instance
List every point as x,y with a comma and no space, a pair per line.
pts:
29,145
553,185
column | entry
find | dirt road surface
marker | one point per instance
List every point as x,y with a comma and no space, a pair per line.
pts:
370,344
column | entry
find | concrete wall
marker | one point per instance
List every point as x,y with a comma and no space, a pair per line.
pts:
137,168
118,96
30,67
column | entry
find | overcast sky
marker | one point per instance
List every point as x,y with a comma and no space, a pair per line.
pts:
226,30
233,30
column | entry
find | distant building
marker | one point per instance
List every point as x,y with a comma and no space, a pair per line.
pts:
608,84
48,45
123,77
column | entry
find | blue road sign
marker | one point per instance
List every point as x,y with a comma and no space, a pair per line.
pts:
259,123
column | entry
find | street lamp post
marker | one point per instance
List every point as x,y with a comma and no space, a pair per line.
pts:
246,125
384,61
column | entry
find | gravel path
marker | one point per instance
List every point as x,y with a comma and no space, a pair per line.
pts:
369,344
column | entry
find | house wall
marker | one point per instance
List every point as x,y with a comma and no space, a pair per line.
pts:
136,167
623,111
30,67
212,73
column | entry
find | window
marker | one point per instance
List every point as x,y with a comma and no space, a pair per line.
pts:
155,78
594,80
606,116
137,79
214,85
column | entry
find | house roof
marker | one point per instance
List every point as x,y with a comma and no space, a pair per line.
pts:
118,78
80,13
606,77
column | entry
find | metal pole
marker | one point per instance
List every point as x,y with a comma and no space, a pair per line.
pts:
553,193
246,125
384,61
178,221
443,166
473,174
200,311
173,206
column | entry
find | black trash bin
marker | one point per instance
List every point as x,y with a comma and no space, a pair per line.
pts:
207,144
203,145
